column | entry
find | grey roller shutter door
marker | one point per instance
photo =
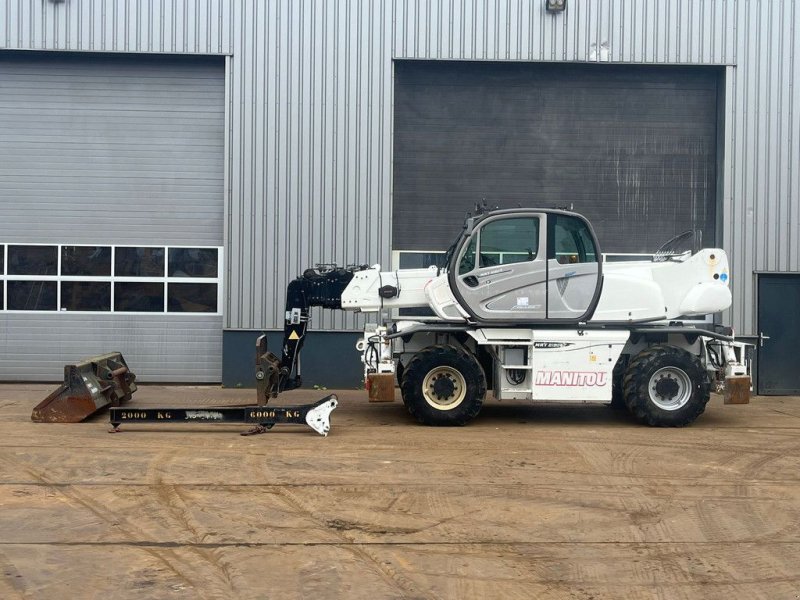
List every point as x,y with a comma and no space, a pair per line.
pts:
134,144
117,150
632,148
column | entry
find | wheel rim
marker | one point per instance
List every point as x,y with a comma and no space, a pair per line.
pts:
444,388
670,388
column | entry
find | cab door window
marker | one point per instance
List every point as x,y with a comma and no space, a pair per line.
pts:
467,263
572,243
508,241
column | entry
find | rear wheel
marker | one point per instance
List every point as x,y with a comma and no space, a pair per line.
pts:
443,385
665,386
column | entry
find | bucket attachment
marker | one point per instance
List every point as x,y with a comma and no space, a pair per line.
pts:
88,386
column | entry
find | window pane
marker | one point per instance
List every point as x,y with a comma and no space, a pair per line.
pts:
85,260
192,262
565,244
468,258
192,297
509,241
32,295
138,297
421,260
139,262
85,295
587,245
32,260
2,259
572,241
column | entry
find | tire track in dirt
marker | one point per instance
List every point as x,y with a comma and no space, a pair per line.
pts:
636,507
11,582
710,522
756,466
734,520
512,488
390,573
623,462
169,496
650,444
170,559
440,505
716,440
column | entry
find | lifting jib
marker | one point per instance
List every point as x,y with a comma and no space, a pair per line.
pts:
268,379
88,387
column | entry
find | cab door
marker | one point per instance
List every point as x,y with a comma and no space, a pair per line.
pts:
502,270
573,268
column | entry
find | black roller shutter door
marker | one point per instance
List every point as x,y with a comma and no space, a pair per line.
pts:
631,147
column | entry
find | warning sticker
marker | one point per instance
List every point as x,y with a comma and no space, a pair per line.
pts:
294,336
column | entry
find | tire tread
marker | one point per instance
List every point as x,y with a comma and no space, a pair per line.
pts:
636,380
425,360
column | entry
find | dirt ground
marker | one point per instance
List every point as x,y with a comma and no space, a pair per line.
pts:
526,502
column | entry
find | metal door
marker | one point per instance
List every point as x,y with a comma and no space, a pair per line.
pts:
600,136
502,271
779,330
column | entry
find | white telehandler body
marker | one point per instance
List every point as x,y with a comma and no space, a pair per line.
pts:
527,307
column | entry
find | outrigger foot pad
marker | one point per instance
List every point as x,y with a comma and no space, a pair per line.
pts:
316,416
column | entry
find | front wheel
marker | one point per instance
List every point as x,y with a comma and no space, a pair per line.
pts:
443,385
665,386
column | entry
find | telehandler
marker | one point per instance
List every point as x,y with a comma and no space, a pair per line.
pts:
527,306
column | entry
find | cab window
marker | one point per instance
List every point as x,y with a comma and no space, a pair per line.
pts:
468,258
507,241
572,241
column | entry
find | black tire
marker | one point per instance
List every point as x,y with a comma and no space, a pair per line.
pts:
617,393
399,373
665,386
443,385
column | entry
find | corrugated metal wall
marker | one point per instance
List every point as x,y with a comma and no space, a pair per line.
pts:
310,108
173,26
140,139
160,347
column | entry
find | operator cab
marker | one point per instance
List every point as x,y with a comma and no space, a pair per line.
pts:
527,265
